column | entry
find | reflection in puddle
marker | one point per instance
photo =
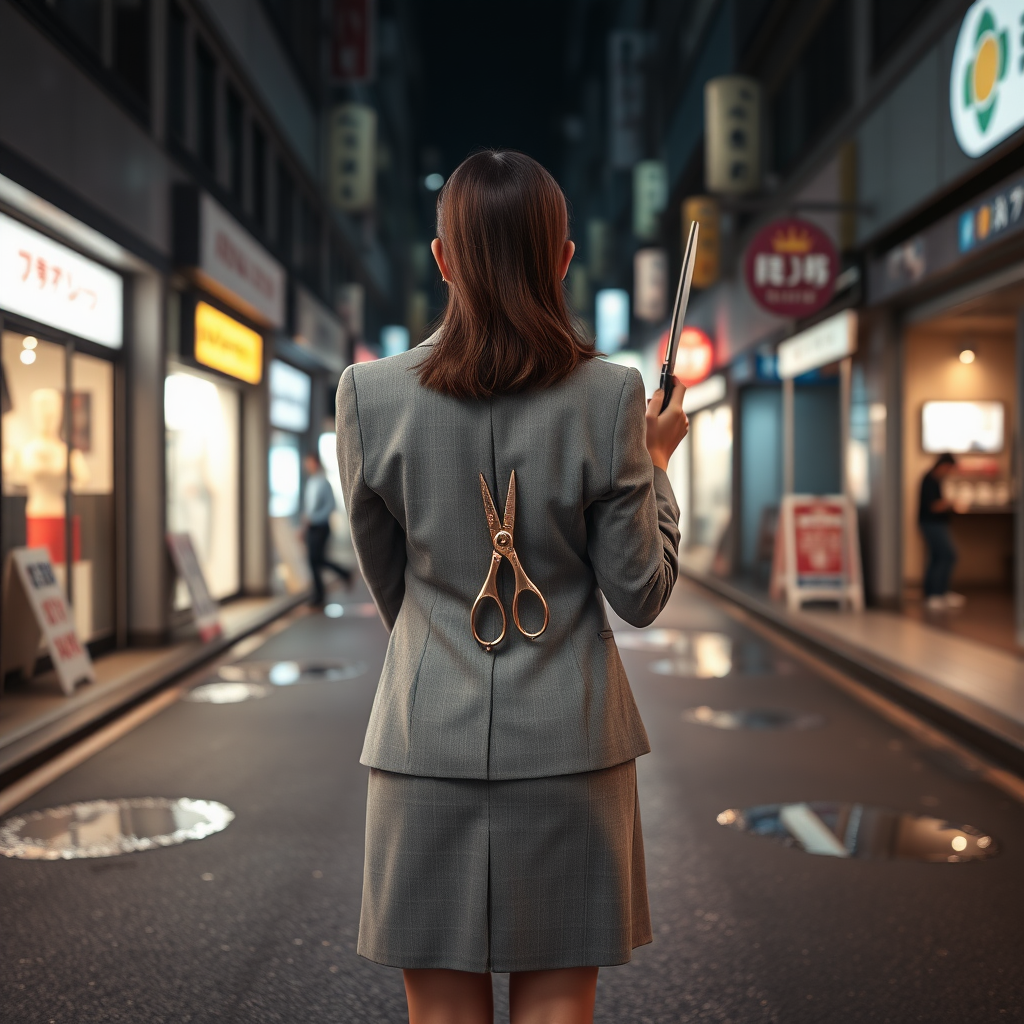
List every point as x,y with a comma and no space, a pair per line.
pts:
288,673
106,828
700,655
226,692
751,718
358,611
653,640
864,832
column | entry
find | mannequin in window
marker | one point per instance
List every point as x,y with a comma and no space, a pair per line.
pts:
41,467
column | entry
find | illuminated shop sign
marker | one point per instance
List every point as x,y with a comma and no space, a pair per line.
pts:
995,216
289,397
226,345
225,259
790,267
828,342
48,282
986,83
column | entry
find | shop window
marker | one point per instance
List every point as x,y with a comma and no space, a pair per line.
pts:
92,492
310,244
206,107
114,33
202,419
58,470
892,21
177,31
235,123
285,474
711,455
130,57
285,213
84,18
816,91
259,177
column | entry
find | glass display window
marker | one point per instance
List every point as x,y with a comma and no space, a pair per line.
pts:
285,473
711,452
202,419
58,469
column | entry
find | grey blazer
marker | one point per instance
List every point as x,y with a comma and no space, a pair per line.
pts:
592,512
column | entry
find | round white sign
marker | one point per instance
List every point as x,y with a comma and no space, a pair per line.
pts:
986,83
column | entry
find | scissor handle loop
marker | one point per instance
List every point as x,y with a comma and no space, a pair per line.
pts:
489,592
523,585
488,644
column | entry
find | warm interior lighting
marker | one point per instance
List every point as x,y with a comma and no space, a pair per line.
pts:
967,356
29,342
28,356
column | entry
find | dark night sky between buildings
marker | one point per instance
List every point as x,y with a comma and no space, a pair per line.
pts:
492,77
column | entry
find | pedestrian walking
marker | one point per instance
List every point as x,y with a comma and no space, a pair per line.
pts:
317,508
499,479
933,518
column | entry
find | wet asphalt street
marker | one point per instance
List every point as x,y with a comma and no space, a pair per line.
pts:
258,922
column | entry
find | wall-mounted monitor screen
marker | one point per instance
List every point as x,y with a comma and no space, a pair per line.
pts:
962,427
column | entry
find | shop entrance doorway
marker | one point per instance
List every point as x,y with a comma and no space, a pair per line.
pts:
960,396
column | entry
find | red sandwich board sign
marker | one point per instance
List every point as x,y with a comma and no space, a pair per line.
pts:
790,267
817,551
34,607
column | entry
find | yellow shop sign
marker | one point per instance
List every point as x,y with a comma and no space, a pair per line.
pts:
226,345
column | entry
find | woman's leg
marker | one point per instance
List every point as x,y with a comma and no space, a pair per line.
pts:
553,997
449,997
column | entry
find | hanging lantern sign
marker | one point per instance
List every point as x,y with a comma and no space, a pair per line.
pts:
695,357
790,267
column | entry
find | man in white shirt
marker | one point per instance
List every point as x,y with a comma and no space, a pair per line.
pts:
318,505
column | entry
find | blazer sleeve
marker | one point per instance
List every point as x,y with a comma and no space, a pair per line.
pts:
378,538
633,529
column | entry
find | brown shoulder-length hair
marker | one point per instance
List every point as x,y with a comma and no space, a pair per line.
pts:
503,222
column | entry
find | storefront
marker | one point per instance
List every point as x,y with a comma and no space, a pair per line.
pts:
955,293
702,472
216,396
62,326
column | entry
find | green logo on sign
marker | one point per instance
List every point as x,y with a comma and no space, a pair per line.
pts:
985,70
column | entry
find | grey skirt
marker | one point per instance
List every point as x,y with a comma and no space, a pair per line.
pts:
518,875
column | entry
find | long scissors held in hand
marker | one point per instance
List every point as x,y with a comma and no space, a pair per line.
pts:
504,547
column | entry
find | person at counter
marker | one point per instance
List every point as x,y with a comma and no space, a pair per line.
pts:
317,508
933,518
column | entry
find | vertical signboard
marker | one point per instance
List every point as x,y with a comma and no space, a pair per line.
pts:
353,157
352,41
205,610
650,285
626,50
34,606
703,210
732,139
650,196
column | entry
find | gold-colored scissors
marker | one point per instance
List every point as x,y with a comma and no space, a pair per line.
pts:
501,539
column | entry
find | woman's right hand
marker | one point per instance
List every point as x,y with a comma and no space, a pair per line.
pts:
666,429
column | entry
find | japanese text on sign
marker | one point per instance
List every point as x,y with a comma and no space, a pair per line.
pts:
48,282
791,267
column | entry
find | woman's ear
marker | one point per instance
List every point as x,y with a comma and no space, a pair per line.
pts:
567,254
438,250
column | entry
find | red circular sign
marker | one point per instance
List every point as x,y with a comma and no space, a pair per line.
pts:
791,267
695,356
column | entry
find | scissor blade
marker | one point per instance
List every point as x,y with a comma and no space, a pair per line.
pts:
510,504
493,522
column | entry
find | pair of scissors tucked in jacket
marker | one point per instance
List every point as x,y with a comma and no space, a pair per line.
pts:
501,539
